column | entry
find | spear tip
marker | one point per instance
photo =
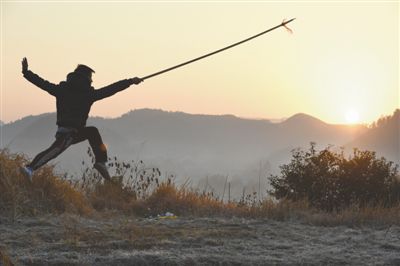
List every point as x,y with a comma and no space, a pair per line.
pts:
287,21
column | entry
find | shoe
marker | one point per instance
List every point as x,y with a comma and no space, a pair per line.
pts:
27,172
103,170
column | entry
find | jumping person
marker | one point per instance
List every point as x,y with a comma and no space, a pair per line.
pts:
74,98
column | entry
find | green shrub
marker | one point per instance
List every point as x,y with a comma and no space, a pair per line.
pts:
330,181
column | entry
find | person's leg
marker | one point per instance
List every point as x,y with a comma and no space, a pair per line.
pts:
96,143
99,149
62,142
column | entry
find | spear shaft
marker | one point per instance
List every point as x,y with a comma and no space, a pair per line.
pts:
283,24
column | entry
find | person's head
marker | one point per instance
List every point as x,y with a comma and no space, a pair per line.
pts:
84,71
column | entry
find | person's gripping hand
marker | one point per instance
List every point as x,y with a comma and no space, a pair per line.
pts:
136,80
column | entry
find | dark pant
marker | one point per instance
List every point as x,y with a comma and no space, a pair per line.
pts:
66,139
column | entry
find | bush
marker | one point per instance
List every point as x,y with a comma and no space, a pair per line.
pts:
330,181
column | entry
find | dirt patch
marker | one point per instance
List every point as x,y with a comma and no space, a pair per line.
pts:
126,240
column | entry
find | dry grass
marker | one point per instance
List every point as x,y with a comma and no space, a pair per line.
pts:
183,201
112,195
145,195
47,193
5,258
355,217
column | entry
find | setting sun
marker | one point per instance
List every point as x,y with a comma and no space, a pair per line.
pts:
352,116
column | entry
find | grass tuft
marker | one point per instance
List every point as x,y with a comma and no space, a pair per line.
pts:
47,193
5,258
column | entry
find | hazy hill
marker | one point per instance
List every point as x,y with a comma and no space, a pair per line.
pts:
301,129
383,137
186,144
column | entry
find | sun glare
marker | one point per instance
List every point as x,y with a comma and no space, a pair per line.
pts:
352,117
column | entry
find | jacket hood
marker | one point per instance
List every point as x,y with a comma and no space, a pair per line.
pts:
77,81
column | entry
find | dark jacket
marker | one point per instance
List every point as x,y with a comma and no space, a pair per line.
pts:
75,96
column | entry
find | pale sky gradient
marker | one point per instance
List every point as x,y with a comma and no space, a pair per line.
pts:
342,59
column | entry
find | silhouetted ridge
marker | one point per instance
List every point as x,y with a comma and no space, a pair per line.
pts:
305,119
383,136
158,112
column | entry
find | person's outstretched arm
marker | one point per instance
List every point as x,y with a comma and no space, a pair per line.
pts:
115,87
35,79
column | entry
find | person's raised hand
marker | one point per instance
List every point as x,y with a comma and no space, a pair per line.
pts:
24,65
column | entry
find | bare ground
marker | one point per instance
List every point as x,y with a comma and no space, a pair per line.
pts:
125,240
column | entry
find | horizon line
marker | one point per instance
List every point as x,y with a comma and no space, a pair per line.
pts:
272,120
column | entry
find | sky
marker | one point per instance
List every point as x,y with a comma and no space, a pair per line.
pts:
341,64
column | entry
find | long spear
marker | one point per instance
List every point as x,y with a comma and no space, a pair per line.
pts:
283,24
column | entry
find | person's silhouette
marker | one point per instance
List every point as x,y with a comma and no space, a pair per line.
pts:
74,98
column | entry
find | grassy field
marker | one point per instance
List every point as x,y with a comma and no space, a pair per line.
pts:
113,239
55,221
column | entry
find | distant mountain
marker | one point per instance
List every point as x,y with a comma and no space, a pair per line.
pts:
383,137
186,144
1,131
301,118
13,130
301,129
